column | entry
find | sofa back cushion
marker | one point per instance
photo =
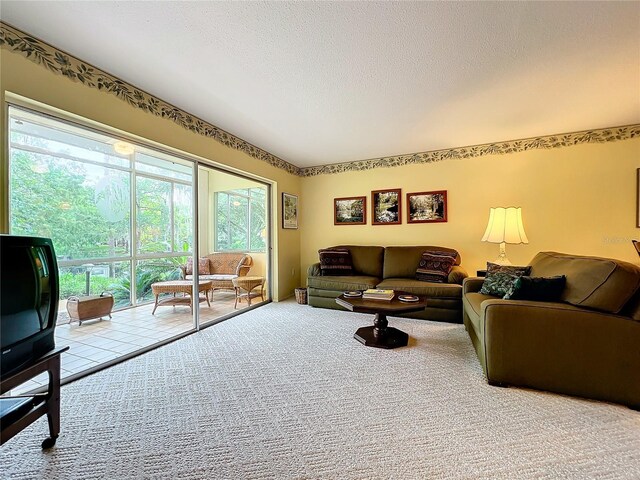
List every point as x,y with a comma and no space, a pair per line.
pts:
403,261
227,263
600,283
367,260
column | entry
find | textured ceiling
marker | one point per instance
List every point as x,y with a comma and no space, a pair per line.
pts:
327,82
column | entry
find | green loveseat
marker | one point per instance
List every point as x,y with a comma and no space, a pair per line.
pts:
587,344
391,268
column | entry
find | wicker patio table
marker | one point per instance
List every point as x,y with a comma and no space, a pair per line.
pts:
179,286
245,288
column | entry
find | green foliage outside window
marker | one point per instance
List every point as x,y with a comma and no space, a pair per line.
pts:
240,219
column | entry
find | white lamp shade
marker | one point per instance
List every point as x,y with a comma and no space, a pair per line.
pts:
505,225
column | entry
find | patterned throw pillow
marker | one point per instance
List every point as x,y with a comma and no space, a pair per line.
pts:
500,278
434,266
335,261
203,266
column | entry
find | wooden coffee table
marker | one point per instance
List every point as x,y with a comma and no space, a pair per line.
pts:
180,286
380,335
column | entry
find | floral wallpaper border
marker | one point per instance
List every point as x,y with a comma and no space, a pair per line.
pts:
62,63
498,148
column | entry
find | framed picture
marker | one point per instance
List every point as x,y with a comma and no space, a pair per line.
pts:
638,198
350,211
427,207
289,211
387,207
636,244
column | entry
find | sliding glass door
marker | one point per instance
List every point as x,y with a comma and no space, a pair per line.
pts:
121,219
121,216
233,226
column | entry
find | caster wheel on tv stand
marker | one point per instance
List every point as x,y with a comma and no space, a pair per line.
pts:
49,442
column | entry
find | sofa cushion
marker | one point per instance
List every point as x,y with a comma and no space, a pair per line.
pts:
500,278
227,263
402,261
457,275
213,277
203,266
417,287
367,260
473,307
593,282
335,261
434,266
343,283
540,289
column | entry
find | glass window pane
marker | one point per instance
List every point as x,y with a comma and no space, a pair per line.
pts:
156,270
182,218
222,221
87,208
42,134
94,279
170,168
240,220
153,215
239,223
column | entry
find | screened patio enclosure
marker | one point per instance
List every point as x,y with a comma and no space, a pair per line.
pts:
122,217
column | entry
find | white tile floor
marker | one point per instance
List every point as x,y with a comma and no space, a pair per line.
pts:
98,341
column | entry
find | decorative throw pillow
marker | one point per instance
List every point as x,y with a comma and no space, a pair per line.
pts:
203,266
335,261
542,289
434,266
500,278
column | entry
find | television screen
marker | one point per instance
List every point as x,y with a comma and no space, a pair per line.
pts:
28,299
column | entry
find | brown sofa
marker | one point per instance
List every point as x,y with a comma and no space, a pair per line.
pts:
223,268
390,268
587,344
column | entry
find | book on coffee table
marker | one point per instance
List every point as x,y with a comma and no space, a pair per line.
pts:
378,294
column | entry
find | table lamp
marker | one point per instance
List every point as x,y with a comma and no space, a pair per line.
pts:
505,226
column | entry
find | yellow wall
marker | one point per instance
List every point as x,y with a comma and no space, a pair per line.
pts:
579,199
23,77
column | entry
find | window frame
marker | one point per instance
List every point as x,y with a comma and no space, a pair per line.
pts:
133,256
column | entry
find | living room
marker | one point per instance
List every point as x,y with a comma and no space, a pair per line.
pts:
551,125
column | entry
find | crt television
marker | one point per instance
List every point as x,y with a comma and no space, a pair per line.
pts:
28,300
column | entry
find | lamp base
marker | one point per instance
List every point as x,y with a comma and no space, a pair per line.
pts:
502,257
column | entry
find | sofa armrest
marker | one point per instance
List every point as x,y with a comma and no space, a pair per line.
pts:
457,275
562,348
314,270
472,284
243,270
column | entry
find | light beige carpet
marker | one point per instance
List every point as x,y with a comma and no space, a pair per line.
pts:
284,391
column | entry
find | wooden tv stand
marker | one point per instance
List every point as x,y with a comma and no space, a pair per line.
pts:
26,409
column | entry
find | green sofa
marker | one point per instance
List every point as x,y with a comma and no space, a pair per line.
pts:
587,344
391,268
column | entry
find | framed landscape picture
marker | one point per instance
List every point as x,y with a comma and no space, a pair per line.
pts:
427,207
350,211
289,211
387,207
